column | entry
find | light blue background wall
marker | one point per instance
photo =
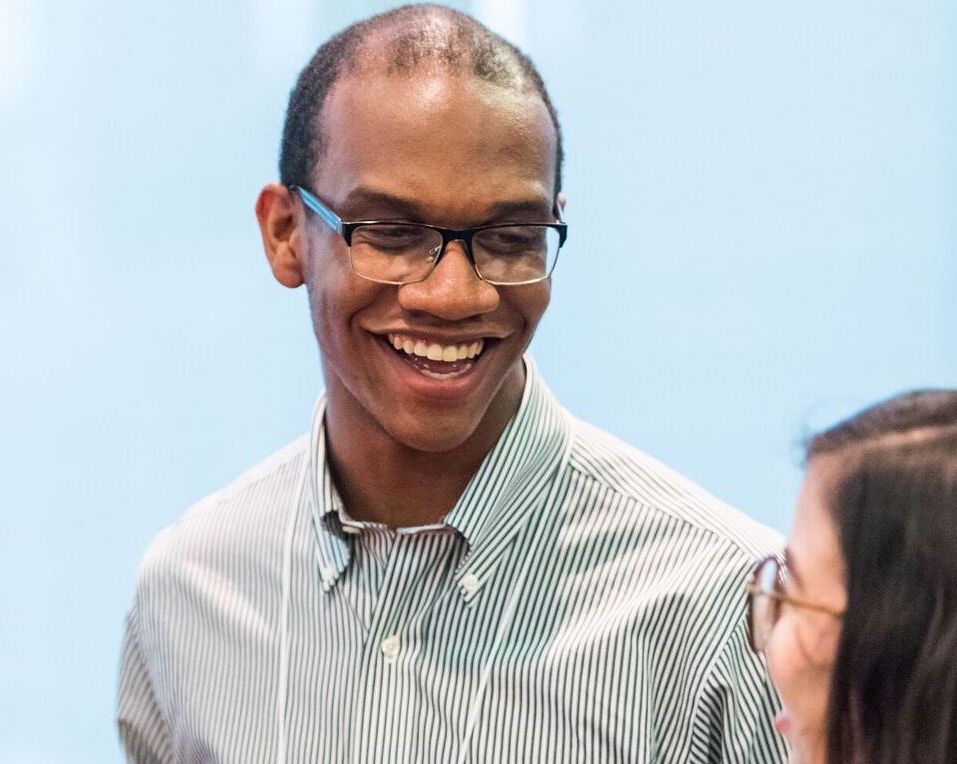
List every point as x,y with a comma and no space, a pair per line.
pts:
762,201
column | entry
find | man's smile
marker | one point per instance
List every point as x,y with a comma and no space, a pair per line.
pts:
435,351
444,359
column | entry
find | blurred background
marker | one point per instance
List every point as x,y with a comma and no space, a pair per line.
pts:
762,203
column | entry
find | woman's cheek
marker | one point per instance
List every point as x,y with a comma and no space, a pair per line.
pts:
784,662
800,661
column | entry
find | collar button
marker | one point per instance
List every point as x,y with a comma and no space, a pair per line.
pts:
470,583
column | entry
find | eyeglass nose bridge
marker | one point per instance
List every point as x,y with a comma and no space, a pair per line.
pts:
448,236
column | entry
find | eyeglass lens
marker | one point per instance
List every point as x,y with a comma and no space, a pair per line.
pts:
401,253
764,608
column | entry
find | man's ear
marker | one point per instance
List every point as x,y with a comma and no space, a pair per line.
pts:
277,213
560,201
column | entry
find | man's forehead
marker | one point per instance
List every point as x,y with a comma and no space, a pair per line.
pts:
433,111
432,58
430,83
453,148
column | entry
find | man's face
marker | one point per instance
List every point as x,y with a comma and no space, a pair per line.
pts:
451,151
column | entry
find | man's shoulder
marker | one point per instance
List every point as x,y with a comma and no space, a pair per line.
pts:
239,521
628,474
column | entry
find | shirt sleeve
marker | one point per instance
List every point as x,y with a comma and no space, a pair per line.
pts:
142,727
736,708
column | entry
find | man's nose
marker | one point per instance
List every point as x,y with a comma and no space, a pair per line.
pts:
453,291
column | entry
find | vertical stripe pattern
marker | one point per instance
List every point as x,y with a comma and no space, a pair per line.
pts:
580,603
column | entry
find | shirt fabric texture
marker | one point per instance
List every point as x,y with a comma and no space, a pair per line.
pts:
580,603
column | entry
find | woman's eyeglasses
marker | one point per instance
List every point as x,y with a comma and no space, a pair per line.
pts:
765,597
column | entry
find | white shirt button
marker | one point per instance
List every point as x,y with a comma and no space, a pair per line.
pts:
470,583
390,647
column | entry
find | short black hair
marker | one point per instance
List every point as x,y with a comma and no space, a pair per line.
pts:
406,39
894,504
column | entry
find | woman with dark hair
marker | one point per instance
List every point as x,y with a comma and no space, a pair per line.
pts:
859,618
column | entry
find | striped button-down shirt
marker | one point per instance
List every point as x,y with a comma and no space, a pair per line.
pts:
580,602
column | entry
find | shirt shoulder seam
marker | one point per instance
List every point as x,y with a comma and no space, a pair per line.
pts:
651,507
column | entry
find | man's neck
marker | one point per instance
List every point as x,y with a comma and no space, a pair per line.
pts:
382,480
408,490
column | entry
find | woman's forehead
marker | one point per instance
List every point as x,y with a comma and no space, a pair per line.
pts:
813,544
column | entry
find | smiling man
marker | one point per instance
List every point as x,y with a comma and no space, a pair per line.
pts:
448,567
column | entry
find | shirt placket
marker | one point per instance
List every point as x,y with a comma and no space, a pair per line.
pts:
416,575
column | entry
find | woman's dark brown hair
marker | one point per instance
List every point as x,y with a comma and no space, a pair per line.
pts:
894,688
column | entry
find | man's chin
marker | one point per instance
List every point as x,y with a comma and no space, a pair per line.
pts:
442,434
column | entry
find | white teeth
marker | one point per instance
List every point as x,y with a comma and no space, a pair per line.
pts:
434,351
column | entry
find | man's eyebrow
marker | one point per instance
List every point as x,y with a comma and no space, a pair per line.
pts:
539,209
380,204
370,203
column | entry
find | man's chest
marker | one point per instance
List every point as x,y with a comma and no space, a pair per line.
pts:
522,671
544,657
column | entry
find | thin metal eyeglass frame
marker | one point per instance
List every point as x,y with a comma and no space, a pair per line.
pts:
754,590
345,229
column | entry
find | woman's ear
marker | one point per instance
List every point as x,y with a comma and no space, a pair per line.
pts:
277,212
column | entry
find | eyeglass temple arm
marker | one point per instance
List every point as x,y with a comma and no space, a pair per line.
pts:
752,588
329,217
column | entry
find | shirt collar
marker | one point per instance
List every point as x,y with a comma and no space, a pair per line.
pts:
509,486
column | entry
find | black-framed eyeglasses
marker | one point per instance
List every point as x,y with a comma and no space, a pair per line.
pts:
766,594
400,252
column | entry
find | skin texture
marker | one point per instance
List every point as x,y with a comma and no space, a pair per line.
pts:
803,645
433,148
